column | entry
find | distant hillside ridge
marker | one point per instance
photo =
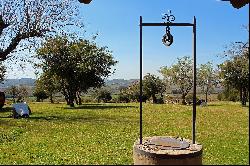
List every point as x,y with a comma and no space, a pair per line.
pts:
16,82
31,82
120,82
115,84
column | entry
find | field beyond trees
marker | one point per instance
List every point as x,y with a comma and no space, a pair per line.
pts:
105,133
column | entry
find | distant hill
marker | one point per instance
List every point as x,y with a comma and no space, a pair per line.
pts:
23,81
31,82
116,84
120,82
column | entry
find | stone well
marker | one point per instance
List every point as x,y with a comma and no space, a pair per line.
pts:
167,150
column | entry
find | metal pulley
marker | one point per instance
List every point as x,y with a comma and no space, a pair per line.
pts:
167,39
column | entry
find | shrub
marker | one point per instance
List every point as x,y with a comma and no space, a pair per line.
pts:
229,94
40,95
122,98
189,99
87,99
102,94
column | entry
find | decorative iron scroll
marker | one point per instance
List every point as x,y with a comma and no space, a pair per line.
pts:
168,39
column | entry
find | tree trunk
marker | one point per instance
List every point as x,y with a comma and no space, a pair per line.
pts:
241,94
71,99
79,99
183,99
71,104
66,97
244,97
51,98
76,99
154,99
206,93
206,97
67,100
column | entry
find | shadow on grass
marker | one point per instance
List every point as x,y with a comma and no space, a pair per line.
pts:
94,118
99,106
6,109
38,117
4,112
214,105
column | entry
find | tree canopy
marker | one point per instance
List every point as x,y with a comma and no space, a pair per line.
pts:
46,86
78,64
180,75
22,21
235,71
207,78
103,94
152,86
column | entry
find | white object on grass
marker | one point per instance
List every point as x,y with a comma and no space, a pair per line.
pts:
21,108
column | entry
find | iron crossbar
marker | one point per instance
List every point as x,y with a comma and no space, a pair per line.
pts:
167,24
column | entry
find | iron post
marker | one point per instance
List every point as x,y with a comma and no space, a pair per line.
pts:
140,79
194,81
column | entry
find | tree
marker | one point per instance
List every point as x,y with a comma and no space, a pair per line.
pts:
180,75
23,21
13,91
22,92
229,94
102,94
207,78
40,95
78,64
153,85
235,72
123,97
49,84
133,92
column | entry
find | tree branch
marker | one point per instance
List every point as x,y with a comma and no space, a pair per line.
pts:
2,25
15,41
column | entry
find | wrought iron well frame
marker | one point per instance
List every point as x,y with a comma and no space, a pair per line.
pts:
194,68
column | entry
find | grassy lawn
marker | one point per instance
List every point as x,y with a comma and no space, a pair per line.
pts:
105,133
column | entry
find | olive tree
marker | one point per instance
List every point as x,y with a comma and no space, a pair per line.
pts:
152,86
207,78
180,75
103,94
47,84
235,71
13,91
78,64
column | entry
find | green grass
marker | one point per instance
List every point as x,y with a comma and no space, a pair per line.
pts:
105,133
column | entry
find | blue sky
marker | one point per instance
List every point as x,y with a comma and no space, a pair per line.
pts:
117,22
